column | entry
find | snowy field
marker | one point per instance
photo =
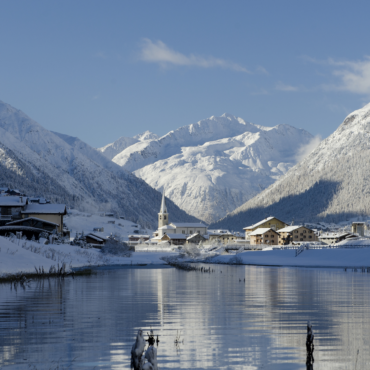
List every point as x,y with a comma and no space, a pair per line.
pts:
77,221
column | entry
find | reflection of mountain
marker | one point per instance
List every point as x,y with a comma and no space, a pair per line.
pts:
224,322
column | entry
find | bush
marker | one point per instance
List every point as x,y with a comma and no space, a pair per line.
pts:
116,247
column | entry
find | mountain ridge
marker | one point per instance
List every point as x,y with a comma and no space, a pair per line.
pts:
331,183
213,166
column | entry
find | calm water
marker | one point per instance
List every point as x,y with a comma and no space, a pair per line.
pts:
92,321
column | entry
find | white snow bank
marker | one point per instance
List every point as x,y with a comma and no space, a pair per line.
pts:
24,255
339,257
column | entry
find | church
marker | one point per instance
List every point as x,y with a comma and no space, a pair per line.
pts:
177,232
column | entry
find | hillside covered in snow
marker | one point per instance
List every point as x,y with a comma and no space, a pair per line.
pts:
332,183
215,165
65,169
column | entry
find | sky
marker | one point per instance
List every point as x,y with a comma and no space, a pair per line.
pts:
100,70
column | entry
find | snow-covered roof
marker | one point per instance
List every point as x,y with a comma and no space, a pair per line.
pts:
192,236
219,232
289,229
259,223
97,238
21,228
334,235
188,224
31,218
139,236
167,227
261,231
12,201
176,236
59,209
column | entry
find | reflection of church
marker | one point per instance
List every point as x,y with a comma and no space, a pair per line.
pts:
177,232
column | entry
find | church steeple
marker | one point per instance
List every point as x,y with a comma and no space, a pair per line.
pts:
163,215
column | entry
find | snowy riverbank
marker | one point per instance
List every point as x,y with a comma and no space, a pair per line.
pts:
340,258
24,255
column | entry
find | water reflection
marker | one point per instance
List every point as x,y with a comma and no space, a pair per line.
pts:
225,323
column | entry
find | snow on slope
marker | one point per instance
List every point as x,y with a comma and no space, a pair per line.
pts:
79,221
212,167
332,183
71,171
111,150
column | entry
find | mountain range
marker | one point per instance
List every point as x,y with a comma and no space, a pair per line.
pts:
331,184
65,169
215,165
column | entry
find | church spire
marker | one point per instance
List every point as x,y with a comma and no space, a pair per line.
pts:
163,205
163,215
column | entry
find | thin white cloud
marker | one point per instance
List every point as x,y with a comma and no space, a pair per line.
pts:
354,76
159,52
288,88
307,149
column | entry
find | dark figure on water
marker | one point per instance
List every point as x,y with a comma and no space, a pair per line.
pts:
310,347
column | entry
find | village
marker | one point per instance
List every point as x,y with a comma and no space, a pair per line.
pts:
35,218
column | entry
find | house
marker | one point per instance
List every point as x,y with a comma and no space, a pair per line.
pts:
195,239
175,239
332,238
269,222
94,239
182,228
264,235
11,208
36,223
137,239
48,212
296,233
26,231
223,236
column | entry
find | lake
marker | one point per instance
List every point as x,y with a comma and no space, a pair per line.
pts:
222,322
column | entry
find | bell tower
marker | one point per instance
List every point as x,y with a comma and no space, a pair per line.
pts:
163,215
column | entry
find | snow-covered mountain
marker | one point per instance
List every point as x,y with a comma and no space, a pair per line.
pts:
332,183
212,167
65,169
111,150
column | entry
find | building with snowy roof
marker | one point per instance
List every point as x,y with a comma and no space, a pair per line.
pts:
264,235
48,212
296,233
221,236
11,208
332,238
269,222
182,228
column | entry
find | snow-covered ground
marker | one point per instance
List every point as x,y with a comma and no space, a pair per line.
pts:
77,221
356,257
24,255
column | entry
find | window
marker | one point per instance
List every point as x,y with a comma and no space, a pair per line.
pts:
301,239
183,231
310,236
304,231
296,231
191,231
165,217
310,231
160,217
198,231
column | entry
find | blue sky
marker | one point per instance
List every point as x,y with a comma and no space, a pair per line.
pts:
104,69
